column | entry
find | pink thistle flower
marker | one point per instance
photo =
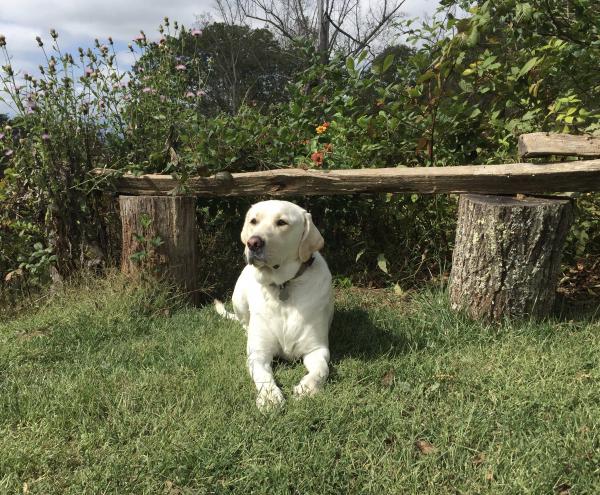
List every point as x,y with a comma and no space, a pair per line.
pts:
46,136
196,33
190,94
200,92
139,37
162,40
180,67
1,135
88,71
8,152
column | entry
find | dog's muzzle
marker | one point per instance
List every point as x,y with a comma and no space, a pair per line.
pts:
255,252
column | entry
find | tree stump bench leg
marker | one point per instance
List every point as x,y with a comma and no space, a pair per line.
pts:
159,235
507,255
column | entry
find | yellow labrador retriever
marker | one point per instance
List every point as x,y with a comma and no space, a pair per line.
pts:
283,297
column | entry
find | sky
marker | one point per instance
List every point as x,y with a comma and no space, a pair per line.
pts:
78,22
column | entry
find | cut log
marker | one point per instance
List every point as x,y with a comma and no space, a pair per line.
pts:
507,255
538,144
159,237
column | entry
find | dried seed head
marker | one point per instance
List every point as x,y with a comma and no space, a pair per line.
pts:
54,34
39,41
2,40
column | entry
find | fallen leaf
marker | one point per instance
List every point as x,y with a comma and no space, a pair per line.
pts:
388,378
479,459
425,447
489,476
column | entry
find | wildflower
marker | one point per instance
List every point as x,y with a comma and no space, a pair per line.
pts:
180,67
39,41
2,40
200,92
147,90
8,152
88,71
166,19
8,69
139,38
162,40
7,128
321,129
317,157
1,135
196,33
45,137
190,94
110,40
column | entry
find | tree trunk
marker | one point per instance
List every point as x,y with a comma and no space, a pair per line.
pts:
507,255
159,237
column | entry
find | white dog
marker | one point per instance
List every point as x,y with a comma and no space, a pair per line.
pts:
283,297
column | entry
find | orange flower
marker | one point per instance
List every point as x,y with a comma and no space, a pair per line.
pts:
317,157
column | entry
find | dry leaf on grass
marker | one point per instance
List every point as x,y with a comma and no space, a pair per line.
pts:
425,447
388,378
479,459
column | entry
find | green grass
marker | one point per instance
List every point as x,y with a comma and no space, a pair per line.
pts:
104,390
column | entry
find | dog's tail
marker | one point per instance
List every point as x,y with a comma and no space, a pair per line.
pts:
220,308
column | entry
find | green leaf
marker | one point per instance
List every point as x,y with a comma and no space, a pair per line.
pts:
382,263
531,63
387,62
350,65
360,253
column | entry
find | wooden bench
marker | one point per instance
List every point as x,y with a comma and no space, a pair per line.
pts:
154,206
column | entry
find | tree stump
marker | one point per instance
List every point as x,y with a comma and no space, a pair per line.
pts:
507,255
159,237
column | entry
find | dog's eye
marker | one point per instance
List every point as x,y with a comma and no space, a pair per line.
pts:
253,221
281,223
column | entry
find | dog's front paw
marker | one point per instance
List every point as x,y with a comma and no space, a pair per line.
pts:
269,398
307,387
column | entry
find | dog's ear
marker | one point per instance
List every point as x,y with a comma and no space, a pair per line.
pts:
311,241
245,234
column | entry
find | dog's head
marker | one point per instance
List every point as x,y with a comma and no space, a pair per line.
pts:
278,232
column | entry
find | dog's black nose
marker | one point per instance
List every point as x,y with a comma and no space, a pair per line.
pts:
255,243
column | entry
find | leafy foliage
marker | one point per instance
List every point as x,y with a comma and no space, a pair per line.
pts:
460,94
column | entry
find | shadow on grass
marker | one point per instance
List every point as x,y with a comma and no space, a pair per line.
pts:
354,334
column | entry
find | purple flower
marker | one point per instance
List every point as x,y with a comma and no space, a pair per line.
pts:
8,152
200,92
1,135
139,37
45,136
147,90
162,40
180,67
89,71
196,32
190,94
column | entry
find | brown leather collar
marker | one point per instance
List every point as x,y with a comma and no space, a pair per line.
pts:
283,288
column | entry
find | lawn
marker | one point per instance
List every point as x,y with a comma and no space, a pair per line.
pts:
110,388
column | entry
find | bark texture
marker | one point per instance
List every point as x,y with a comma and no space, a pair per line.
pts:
512,178
159,237
507,255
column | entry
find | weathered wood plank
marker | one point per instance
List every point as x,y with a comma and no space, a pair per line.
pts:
581,176
544,144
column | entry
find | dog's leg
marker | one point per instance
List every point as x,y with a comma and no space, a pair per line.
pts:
317,364
269,394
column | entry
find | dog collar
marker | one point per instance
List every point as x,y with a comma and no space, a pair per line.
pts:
283,288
